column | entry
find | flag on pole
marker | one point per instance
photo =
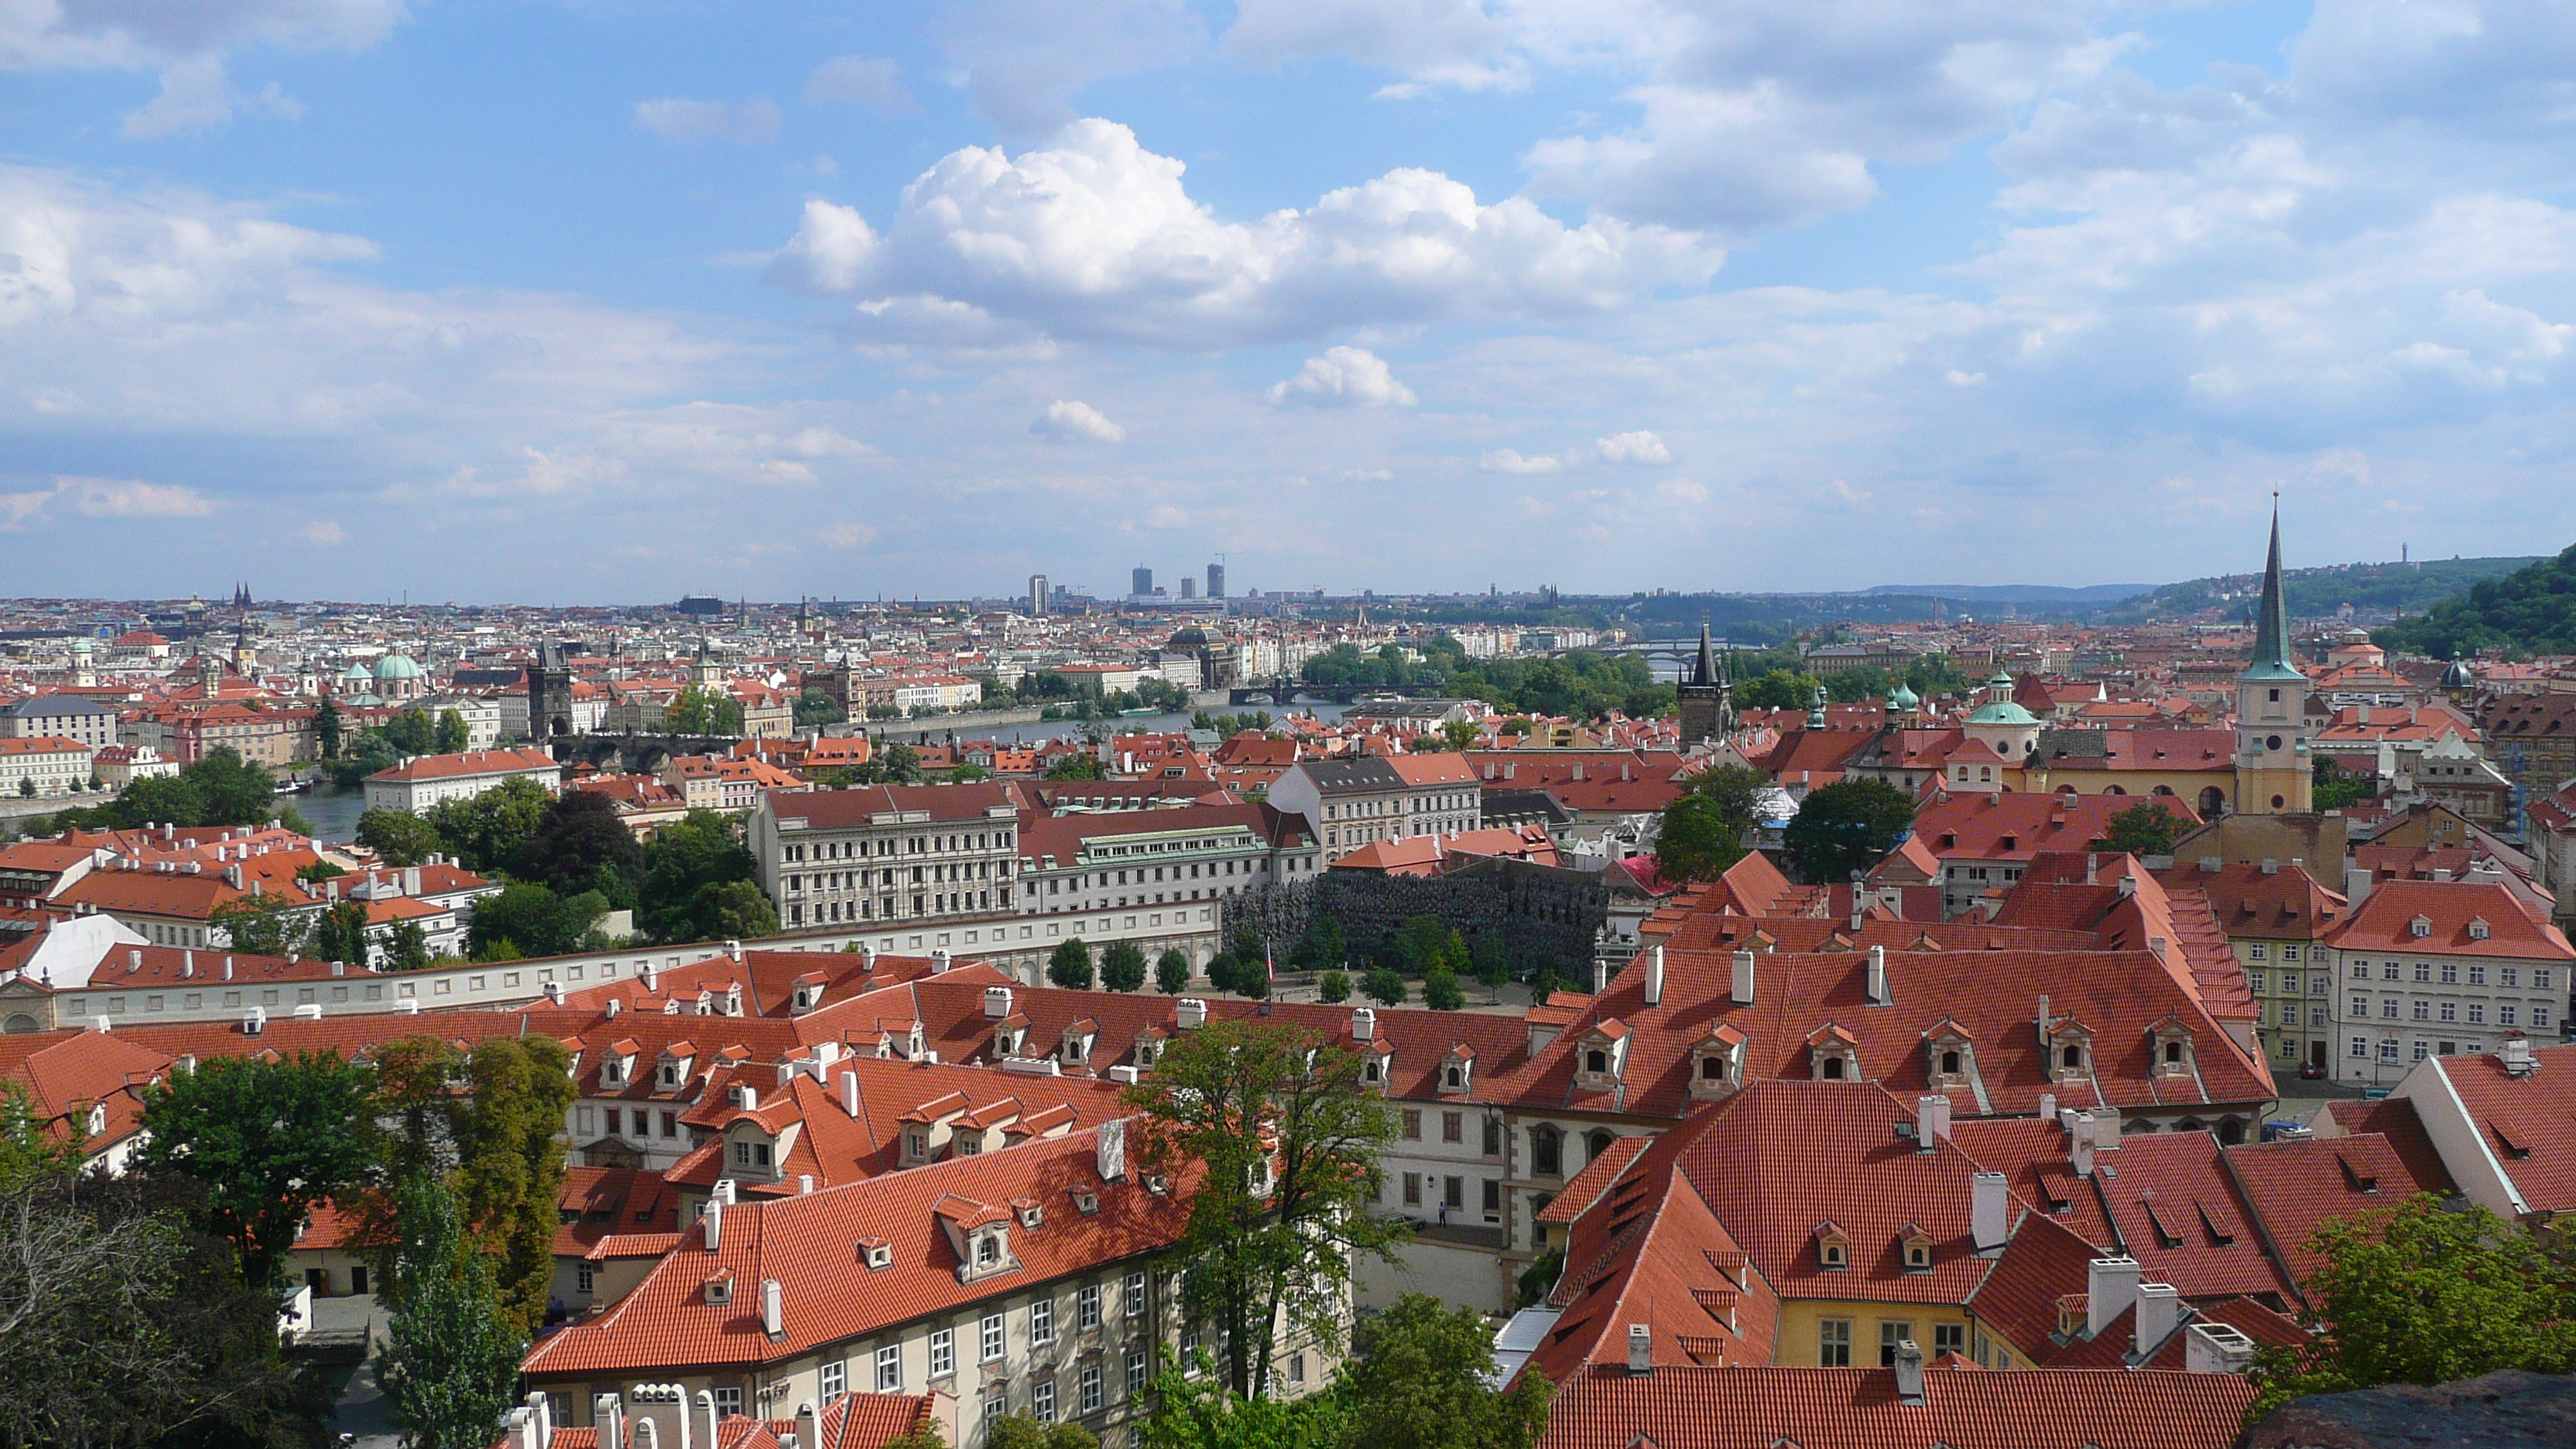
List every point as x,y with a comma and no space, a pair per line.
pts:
1269,967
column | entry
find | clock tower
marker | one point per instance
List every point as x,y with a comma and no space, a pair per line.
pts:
2274,772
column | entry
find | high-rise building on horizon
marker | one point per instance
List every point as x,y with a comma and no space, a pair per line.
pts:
1189,587
1216,581
1140,583
1037,595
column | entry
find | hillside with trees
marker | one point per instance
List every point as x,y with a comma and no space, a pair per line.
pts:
2529,611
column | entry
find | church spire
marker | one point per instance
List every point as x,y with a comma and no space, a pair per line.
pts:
2272,623
1704,670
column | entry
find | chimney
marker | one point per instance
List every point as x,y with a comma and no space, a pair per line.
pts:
228,968
2081,1147
2211,865
1878,976
2044,1022
1989,1213
1927,1122
707,1406
1110,1151
610,1416
1189,1013
938,960
2516,1056
997,1002
2092,868
1909,1373
2271,867
1364,1023
2216,1348
804,1183
1743,993
411,880
2106,1129
2159,1314
542,1410
2356,886
773,1309
2110,1286
867,958
2048,1106
1641,1350
187,965
2128,886
614,1006
850,1094
714,1220
1655,975
652,978
806,1436
133,960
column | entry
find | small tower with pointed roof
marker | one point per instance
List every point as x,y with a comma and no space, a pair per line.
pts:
2273,763
1707,700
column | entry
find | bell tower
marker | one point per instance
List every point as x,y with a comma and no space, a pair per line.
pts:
2273,766
1705,697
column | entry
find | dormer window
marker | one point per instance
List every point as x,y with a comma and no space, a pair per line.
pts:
1032,1216
1833,1054
1833,1247
97,1119
879,1256
2478,930
719,1289
1717,1063
1086,1202
988,1250
916,1146
1601,1058
1917,1245
1453,1077
2419,928
1597,1062
2172,1048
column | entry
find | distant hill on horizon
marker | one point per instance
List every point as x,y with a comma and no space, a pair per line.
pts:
2531,610
2019,593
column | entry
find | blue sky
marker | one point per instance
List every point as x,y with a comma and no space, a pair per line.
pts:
611,299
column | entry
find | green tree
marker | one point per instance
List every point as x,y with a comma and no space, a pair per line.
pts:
1122,966
1333,986
1196,1410
2146,828
269,1139
1421,1379
1069,965
27,1151
1440,990
327,729
398,837
451,1357
1493,964
582,844
407,948
688,866
1222,968
124,1325
1422,943
2336,790
1084,766
1844,827
1322,946
263,924
1172,973
1461,734
510,1172
340,933
411,732
1384,985
699,711
1287,1138
452,736
1779,689
485,833
815,709
1539,1278
1698,840
533,919
2415,1294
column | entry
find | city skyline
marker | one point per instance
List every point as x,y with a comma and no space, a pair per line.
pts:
938,296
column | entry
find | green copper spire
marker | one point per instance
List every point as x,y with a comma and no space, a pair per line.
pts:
2272,624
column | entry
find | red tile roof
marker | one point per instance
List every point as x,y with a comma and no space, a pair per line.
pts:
2527,1124
469,763
2449,910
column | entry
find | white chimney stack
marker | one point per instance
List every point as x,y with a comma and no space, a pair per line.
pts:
1112,1150
2082,1140
1189,1013
715,1224
938,960
1641,1349
707,1406
1655,975
2159,1314
1909,1373
850,1093
1989,1213
806,1435
2216,1348
867,957
1364,1023
1927,1122
2110,1286
1878,976
773,1308
997,1002
2048,1106
610,1418
1743,993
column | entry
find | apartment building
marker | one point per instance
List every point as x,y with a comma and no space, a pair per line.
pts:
2277,917
416,785
44,765
2443,968
1084,862
888,854
1357,802
59,716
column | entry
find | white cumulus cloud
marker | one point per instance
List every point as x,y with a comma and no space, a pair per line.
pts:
1066,422
1639,447
1510,460
752,123
1344,377
1095,238
102,498
197,96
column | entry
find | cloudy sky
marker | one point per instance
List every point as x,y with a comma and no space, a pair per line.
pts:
601,300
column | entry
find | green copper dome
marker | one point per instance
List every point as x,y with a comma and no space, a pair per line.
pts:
1903,698
2002,712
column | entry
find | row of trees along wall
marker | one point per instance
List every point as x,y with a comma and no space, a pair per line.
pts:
1547,916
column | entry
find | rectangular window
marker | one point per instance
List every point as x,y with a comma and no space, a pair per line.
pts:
2361,1046
1042,1401
1087,1389
890,1369
2423,970
2423,1010
1042,1321
989,1338
1136,1379
1412,1124
1949,1338
1132,1296
2254,980
997,1405
2361,1006
1833,1343
2256,952
2477,976
1453,1191
2477,1011
2507,976
2388,1049
1890,1334
1493,1137
943,1353
728,1401
1413,1189
585,1278
2450,1011
2504,1016
836,1378
1086,1308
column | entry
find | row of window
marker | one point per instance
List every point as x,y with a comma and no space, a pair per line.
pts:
992,1344
2387,1052
912,845
1834,1341
1453,1128
2505,975
2290,980
2506,1013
